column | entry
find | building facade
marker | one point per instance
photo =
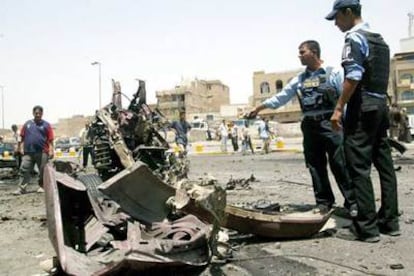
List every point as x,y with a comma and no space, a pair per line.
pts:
69,127
403,80
195,97
402,71
265,85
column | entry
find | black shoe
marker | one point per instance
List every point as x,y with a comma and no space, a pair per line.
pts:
392,233
388,231
349,235
345,213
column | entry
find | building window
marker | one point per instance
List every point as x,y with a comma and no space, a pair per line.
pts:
407,96
410,110
264,87
407,77
279,86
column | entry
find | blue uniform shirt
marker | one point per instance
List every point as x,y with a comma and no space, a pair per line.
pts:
355,51
289,91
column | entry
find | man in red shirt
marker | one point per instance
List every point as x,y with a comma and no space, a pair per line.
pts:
36,147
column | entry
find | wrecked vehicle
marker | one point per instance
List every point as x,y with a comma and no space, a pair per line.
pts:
96,229
139,211
129,216
124,136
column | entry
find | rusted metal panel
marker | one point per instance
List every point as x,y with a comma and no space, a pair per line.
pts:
277,225
93,232
139,192
183,242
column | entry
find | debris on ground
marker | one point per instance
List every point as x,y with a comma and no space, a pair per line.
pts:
240,183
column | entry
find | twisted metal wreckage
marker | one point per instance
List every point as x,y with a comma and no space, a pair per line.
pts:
139,210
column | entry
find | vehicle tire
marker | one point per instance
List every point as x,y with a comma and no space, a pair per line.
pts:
91,182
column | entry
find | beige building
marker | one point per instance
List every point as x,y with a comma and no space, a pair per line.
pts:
402,71
265,85
402,80
69,127
195,97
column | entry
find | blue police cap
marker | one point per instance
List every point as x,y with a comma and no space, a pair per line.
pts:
339,4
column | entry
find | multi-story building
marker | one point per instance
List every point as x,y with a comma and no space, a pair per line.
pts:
402,71
265,85
402,80
195,97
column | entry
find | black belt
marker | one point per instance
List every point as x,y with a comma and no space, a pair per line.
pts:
319,117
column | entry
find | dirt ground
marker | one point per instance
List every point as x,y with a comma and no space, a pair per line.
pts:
284,179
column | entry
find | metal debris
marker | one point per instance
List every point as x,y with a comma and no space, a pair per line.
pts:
240,183
137,211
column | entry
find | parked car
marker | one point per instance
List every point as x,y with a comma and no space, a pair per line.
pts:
74,142
8,161
62,144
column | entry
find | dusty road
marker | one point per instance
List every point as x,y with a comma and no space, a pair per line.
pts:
283,178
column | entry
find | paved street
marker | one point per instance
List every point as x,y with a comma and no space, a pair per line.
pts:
282,178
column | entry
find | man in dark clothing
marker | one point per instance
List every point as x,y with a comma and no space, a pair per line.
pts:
405,133
36,147
317,89
395,121
181,128
366,66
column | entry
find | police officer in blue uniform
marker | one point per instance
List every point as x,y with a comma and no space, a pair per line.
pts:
365,60
317,90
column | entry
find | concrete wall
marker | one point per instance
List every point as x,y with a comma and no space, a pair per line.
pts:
276,81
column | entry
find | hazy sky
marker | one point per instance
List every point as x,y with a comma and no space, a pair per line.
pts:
46,47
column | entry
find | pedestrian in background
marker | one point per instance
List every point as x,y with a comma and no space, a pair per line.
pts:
395,121
317,90
366,63
181,129
36,147
224,134
17,139
405,133
246,139
86,141
264,134
234,135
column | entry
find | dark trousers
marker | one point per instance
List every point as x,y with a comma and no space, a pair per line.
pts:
27,166
322,145
235,142
247,143
86,151
366,144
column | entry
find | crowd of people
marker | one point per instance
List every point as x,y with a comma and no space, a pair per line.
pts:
241,136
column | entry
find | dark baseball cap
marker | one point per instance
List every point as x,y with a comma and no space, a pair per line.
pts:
339,4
